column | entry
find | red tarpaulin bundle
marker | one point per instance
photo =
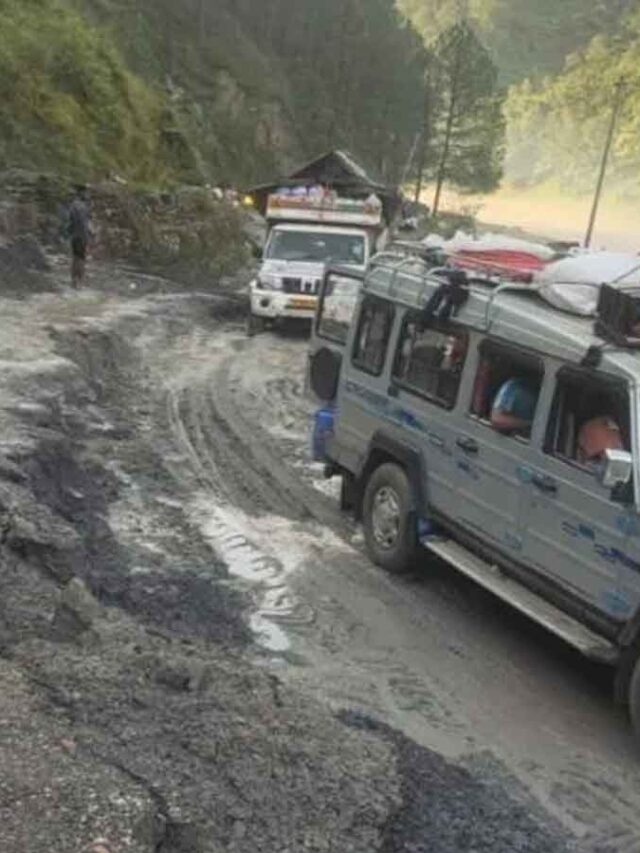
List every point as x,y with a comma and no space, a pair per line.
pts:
506,263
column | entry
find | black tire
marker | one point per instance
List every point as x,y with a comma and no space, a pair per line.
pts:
394,553
255,324
634,700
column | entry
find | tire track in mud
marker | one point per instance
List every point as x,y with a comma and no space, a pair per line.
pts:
247,504
223,445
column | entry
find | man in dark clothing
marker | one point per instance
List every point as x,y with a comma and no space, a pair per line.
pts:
80,233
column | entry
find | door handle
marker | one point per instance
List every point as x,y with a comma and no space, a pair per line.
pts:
545,484
468,445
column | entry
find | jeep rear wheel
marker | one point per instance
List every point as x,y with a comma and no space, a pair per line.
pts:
389,519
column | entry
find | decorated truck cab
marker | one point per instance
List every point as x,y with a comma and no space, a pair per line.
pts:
307,231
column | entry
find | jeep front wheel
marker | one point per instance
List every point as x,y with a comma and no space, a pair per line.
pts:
389,519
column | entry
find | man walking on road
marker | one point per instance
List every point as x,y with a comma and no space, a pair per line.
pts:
80,233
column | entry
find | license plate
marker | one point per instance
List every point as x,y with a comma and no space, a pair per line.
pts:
303,303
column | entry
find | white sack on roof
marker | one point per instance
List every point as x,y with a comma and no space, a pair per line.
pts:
463,242
434,241
573,284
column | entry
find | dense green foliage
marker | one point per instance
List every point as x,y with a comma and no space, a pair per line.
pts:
259,85
563,60
558,127
354,71
67,100
526,37
206,90
467,124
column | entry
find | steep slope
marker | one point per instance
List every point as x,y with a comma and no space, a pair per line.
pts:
205,90
68,102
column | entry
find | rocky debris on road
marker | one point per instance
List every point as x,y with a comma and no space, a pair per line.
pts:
445,808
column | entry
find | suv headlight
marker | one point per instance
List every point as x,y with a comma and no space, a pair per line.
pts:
269,281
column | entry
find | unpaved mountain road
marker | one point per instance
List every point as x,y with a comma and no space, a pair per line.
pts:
254,683
432,655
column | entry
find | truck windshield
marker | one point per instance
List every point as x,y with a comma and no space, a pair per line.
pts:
314,246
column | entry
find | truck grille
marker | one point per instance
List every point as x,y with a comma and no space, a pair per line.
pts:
297,285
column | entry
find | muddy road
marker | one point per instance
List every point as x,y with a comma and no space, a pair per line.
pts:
432,655
412,714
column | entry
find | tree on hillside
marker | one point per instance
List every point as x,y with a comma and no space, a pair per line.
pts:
557,128
526,37
468,134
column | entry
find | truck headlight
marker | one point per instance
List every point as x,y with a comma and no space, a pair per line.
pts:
269,281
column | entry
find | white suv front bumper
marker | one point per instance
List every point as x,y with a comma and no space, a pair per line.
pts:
273,304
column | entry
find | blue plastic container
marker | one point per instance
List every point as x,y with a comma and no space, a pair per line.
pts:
323,425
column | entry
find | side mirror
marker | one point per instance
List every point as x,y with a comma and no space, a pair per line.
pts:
617,469
257,252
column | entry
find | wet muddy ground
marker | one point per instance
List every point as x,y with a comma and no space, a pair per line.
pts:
235,674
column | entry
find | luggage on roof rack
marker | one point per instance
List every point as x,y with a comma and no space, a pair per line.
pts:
619,315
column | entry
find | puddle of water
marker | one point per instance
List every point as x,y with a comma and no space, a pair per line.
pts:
269,635
263,553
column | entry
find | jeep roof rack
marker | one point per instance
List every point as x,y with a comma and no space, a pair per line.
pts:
407,278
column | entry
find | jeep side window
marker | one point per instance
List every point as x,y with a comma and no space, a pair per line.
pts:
429,362
372,338
507,389
589,415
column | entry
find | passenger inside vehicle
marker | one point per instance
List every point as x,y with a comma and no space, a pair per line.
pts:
514,407
589,419
506,391
596,437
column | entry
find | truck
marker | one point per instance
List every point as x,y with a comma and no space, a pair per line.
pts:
309,229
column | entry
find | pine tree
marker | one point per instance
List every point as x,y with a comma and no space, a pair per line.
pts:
469,130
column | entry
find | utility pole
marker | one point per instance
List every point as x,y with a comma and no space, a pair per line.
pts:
615,112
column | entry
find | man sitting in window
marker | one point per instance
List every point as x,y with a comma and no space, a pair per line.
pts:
597,436
514,407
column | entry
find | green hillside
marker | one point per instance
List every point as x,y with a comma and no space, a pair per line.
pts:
526,37
69,103
558,127
205,90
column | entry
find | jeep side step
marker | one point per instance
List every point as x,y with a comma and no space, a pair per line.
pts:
587,642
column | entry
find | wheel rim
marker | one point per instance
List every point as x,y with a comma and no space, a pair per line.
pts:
385,517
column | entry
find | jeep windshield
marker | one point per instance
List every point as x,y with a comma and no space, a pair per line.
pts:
317,247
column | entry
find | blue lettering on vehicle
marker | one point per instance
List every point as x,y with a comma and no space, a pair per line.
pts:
524,474
611,555
513,542
468,468
382,407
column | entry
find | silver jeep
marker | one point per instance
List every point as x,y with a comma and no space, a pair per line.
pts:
478,423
